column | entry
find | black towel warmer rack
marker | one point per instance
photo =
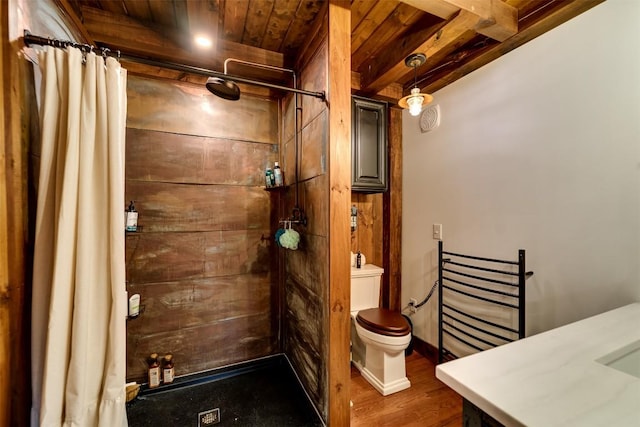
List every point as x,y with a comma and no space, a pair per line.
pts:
478,284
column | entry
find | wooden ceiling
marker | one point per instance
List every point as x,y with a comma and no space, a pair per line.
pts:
457,36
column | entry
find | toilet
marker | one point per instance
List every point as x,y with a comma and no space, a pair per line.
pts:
378,336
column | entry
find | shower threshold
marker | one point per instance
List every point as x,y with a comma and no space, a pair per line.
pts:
262,392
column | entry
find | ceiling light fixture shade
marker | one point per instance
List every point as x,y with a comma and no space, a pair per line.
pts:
415,100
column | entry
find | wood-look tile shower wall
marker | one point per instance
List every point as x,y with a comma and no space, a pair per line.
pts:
306,271
202,259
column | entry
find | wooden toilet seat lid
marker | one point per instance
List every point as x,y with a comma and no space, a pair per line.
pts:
384,322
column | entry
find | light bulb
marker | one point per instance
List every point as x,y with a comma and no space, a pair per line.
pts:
203,41
415,102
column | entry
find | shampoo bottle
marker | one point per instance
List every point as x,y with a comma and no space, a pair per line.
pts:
277,174
134,306
168,373
268,177
132,218
154,371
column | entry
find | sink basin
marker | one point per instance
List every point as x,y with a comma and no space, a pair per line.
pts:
625,359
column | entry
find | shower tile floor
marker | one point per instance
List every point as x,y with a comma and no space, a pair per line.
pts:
264,392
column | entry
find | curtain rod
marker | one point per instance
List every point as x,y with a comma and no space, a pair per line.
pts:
30,39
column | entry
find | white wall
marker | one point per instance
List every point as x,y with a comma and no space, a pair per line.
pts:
538,150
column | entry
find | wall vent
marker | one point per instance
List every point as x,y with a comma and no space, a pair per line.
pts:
430,118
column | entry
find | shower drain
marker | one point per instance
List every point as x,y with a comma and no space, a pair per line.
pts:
209,417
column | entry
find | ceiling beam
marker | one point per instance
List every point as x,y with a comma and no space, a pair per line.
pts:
123,33
528,31
391,93
378,74
496,19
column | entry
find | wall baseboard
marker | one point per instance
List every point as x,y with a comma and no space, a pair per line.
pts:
426,350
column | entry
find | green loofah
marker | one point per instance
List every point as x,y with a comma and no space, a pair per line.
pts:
290,239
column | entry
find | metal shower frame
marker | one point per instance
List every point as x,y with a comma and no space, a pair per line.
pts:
30,39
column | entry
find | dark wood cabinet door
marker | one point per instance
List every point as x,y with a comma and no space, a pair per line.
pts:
368,145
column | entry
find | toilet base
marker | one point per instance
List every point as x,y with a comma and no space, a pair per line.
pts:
388,388
385,371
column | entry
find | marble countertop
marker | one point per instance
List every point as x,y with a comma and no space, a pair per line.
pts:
557,378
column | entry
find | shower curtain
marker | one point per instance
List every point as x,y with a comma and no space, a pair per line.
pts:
79,300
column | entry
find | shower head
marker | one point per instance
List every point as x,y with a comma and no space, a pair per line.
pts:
223,88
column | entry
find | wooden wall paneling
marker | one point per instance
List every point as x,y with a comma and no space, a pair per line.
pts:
314,78
15,250
172,309
305,314
287,143
313,147
195,111
203,256
6,324
276,269
306,270
286,108
171,157
339,170
304,267
392,238
314,194
377,254
207,346
153,257
305,327
190,303
137,69
316,37
367,238
183,207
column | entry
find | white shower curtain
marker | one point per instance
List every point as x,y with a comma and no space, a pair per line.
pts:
79,303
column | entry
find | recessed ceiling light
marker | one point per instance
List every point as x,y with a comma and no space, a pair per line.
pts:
203,41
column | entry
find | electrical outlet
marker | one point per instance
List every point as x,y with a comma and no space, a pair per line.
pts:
412,305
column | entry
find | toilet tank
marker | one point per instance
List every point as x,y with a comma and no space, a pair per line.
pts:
365,287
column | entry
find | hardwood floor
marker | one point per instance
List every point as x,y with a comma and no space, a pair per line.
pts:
428,402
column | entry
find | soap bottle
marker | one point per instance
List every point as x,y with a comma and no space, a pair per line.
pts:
154,371
269,179
359,260
277,174
132,218
168,373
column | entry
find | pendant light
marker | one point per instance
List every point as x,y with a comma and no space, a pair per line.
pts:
415,100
